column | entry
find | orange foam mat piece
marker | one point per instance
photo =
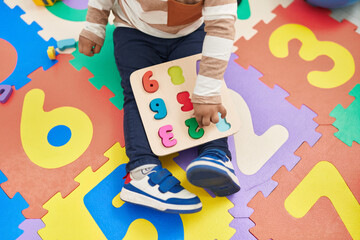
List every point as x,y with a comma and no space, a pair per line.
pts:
319,70
32,169
8,59
322,221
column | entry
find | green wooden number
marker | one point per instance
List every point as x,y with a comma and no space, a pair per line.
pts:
193,125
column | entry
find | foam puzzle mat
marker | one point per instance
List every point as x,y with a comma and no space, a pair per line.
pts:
294,75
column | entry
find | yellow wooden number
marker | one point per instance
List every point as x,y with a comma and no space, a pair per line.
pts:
325,180
344,65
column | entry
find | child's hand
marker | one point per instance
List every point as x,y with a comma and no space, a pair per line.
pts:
88,47
208,113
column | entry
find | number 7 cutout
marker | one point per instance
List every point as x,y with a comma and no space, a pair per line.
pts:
325,180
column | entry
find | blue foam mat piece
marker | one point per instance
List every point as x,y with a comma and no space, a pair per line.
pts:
30,47
114,222
10,213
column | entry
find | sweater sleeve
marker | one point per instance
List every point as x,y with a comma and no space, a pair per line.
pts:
96,20
219,18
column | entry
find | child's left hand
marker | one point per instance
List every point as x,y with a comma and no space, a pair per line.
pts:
208,113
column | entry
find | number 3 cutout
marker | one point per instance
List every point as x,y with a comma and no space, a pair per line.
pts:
344,65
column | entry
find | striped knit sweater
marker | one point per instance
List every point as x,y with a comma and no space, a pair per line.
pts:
172,19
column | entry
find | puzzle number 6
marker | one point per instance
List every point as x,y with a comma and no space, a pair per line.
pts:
344,65
150,86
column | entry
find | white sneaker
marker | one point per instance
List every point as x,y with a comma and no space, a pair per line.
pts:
160,190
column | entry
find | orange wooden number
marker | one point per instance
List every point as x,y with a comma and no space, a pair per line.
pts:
150,86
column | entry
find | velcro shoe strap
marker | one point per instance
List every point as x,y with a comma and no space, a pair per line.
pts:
168,184
159,176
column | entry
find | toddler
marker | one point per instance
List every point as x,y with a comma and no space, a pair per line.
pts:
150,32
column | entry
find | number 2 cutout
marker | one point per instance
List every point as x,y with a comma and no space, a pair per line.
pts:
167,137
344,65
184,98
150,86
193,125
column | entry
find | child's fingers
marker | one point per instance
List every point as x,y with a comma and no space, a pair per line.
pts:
222,111
215,118
86,46
96,49
199,120
206,120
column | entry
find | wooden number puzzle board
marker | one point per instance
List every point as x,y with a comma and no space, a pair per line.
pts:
163,94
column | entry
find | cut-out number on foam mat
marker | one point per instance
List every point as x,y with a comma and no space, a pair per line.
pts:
325,180
38,127
344,65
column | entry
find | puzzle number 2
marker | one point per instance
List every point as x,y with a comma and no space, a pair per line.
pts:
344,65
193,126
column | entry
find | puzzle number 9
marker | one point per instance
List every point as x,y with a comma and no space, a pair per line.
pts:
158,105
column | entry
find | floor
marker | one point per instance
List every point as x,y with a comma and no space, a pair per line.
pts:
294,77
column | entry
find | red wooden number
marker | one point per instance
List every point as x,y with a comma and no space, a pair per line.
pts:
184,98
150,86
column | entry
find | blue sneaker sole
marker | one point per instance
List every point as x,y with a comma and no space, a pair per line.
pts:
170,210
214,179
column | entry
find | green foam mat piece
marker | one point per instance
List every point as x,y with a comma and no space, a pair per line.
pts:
348,120
103,67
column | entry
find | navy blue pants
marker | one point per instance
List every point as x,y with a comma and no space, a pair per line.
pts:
135,50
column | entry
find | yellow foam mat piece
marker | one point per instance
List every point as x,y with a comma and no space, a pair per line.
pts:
68,217
325,180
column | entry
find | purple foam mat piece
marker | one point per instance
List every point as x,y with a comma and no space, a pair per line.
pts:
31,228
242,226
77,4
268,107
243,197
